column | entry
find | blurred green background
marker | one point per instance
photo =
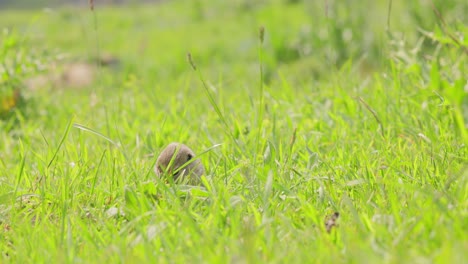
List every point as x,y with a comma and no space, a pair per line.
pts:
358,107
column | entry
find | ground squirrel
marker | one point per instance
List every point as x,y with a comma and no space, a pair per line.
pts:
179,161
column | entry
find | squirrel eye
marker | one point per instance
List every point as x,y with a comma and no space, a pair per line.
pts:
189,157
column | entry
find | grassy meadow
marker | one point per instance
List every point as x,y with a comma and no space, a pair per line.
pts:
297,109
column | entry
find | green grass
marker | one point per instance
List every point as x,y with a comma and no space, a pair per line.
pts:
345,116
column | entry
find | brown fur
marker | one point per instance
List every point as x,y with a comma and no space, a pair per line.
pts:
175,156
